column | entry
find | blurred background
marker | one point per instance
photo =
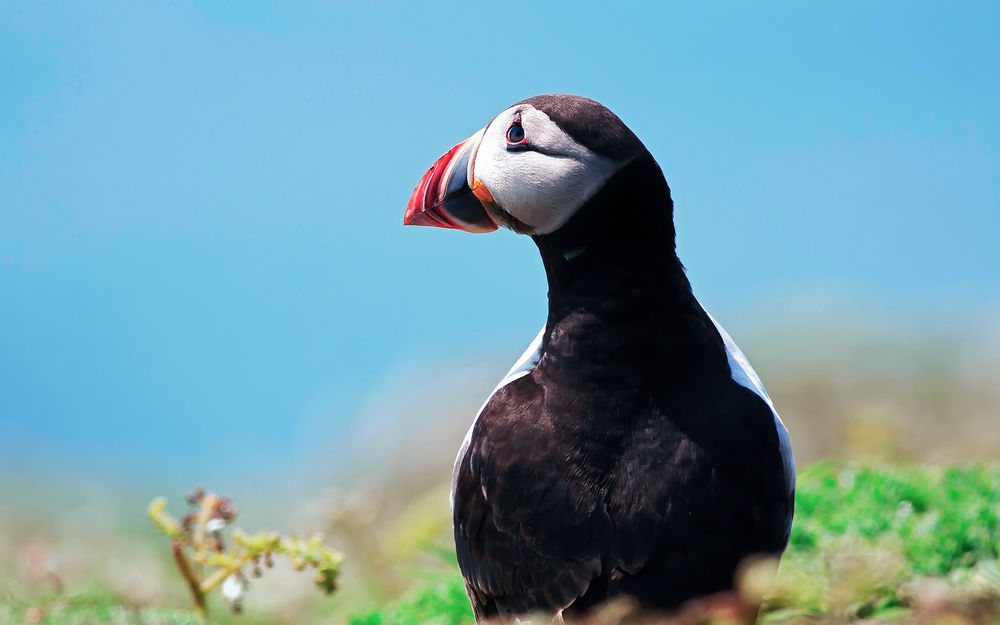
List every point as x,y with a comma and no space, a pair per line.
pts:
204,278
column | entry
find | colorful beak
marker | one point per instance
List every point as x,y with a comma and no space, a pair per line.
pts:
444,198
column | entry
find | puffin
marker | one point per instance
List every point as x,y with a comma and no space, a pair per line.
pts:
632,450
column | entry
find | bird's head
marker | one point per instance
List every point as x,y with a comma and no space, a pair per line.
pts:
530,169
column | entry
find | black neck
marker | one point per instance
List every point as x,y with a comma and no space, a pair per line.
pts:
615,282
618,250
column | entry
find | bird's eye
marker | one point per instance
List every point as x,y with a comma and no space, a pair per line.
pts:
515,134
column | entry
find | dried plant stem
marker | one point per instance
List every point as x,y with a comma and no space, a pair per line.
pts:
205,510
192,580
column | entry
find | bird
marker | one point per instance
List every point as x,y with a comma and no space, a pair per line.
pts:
632,450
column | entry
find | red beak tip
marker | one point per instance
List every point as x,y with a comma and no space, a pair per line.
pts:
427,218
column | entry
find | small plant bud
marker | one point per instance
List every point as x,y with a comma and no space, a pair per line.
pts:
234,590
195,497
326,580
214,525
225,509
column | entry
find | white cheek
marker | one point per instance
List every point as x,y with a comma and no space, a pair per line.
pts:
544,191
540,190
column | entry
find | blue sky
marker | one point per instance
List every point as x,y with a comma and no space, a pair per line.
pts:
200,207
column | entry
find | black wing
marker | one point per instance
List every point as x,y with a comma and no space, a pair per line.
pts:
712,494
527,539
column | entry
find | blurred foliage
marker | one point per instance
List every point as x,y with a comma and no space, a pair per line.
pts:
941,519
870,541
87,609
197,542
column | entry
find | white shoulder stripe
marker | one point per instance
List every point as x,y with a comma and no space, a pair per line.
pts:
741,370
744,375
524,365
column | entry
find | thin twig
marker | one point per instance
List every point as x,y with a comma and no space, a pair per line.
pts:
191,577
204,516
221,573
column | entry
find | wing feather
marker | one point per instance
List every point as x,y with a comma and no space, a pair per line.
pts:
515,518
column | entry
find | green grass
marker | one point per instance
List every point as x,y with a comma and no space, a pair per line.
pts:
874,541
867,543
88,609
440,601
943,519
